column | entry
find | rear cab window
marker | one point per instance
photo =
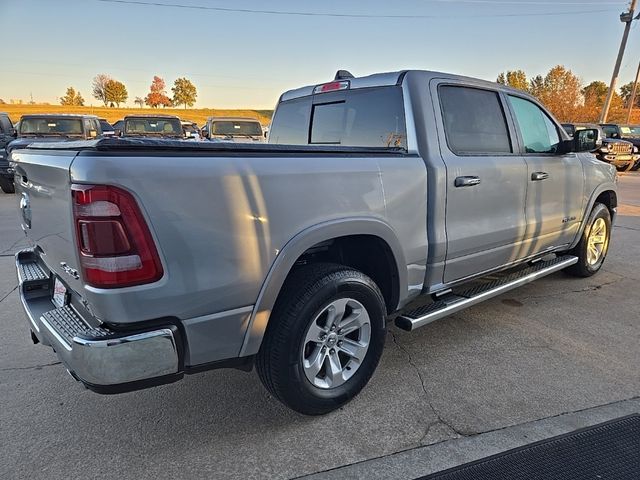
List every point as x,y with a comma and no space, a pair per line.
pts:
361,117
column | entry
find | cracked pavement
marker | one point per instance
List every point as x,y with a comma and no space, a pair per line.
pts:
557,345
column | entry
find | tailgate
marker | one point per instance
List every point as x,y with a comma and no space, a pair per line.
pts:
43,193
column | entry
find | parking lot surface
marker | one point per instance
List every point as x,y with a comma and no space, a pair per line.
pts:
556,346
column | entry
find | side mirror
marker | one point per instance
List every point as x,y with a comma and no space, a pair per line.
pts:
14,133
586,140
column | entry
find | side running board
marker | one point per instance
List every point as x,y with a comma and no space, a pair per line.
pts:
498,284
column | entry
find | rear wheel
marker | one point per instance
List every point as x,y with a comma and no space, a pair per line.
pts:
594,244
324,339
7,185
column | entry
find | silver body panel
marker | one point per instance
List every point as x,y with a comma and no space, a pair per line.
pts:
230,226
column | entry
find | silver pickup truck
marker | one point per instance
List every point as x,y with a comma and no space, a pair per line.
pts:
411,193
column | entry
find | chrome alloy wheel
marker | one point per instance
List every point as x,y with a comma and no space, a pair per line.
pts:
336,343
597,242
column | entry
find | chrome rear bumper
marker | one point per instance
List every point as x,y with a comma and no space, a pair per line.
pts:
104,360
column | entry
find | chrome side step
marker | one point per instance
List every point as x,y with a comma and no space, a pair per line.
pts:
498,284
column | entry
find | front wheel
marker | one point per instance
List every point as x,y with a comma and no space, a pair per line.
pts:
594,243
324,339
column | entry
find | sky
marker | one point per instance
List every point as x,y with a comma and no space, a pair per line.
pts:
244,59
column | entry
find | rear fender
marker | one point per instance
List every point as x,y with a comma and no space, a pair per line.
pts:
295,248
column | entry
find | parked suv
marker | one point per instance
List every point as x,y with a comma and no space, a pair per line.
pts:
53,128
7,134
620,153
239,130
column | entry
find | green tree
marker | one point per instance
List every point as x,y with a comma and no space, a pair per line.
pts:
515,79
115,92
72,98
595,93
184,92
625,93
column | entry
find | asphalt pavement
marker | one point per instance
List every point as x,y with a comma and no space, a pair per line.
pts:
555,354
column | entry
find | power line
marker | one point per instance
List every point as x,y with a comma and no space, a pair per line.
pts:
536,2
346,15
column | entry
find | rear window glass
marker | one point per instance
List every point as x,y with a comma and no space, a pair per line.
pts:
371,117
231,127
473,120
51,126
152,126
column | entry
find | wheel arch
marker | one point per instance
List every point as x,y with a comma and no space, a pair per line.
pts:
296,248
605,194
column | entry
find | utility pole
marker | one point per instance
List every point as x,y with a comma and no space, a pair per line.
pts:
626,18
632,99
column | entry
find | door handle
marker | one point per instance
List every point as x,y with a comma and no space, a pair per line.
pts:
466,181
535,176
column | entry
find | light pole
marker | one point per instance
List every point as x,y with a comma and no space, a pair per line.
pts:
626,18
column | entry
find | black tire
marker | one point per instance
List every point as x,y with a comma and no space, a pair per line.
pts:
635,167
583,268
7,185
306,292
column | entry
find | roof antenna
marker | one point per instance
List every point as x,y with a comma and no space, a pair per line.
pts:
343,75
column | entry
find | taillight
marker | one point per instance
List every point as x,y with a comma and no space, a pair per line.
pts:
115,246
331,87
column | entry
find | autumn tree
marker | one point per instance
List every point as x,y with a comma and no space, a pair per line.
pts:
561,93
139,101
157,94
536,86
72,98
184,92
515,79
115,92
99,87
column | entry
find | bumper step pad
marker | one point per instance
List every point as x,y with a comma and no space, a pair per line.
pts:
68,324
485,288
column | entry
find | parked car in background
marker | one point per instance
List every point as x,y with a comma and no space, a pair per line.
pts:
7,134
118,127
53,128
153,260
191,130
239,130
620,153
156,126
107,128
630,133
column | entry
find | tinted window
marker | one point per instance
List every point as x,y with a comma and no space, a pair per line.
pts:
539,133
105,126
153,126
5,124
570,129
474,121
610,131
290,123
371,117
50,126
233,127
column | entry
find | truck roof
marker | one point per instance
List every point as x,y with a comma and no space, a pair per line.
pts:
233,119
150,115
392,78
58,115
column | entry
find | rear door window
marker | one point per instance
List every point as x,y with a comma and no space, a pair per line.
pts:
474,121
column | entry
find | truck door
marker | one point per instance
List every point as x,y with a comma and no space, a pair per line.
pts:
555,183
486,178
